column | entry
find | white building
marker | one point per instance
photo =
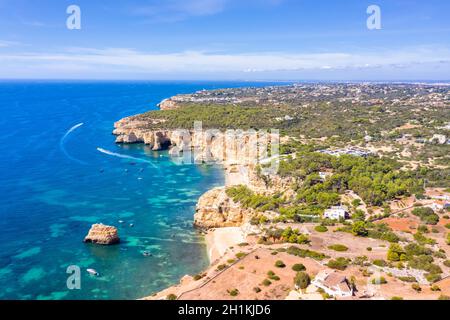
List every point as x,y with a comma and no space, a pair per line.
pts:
334,284
439,138
336,213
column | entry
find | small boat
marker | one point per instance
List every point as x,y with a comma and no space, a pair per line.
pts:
147,254
131,225
93,272
121,221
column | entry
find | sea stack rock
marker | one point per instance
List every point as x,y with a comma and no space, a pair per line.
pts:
102,234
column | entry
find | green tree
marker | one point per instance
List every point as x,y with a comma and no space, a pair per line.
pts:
359,229
302,280
396,253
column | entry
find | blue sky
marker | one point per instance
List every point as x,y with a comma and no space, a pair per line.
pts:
226,39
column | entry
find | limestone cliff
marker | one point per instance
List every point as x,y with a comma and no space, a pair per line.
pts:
169,104
132,130
237,152
215,210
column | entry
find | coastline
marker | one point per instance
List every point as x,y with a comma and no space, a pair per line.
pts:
243,262
221,238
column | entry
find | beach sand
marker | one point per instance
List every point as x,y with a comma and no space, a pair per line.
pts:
219,240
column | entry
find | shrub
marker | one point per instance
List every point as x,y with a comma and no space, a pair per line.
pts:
338,263
396,253
220,267
233,292
396,298
198,277
447,263
257,289
298,267
433,277
302,280
266,282
240,255
171,297
359,229
305,253
380,280
360,260
426,214
273,276
421,239
321,228
279,264
407,279
338,247
416,287
380,263
443,297
435,288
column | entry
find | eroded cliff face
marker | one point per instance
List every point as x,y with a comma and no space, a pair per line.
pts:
131,130
215,210
169,104
238,153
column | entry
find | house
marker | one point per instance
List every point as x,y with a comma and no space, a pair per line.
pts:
336,213
333,283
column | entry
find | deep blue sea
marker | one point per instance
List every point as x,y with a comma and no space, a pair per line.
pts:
54,184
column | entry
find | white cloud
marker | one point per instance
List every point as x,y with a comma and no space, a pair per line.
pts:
88,61
4,44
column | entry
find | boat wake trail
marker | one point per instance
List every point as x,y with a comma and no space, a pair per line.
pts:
124,156
63,139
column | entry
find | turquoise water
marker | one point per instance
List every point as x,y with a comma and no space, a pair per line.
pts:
54,187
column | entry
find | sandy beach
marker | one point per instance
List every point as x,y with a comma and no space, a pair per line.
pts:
219,240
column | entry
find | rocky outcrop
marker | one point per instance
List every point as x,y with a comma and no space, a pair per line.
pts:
215,210
169,104
102,234
131,130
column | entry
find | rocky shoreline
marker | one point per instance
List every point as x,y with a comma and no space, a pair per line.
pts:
225,222
215,208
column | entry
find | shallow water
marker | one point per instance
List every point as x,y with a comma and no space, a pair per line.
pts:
56,183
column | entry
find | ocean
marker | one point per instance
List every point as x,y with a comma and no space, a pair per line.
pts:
55,183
